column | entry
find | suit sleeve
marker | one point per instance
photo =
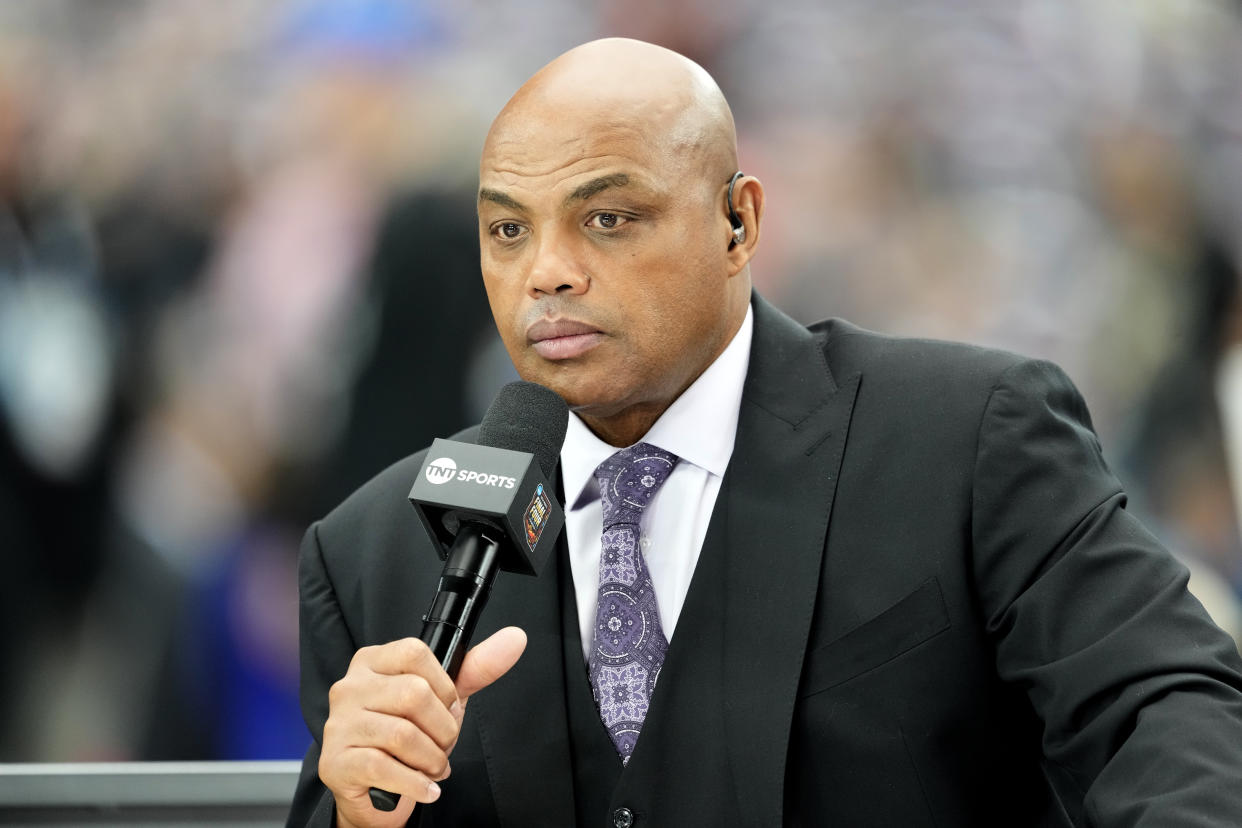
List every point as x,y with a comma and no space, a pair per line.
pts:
1139,693
326,648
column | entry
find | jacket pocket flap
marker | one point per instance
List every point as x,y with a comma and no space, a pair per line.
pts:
903,626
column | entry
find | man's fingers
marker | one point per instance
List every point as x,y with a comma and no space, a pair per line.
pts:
376,768
409,655
411,699
489,660
404,741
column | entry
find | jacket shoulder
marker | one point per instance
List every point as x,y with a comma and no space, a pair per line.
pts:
851,349
919,381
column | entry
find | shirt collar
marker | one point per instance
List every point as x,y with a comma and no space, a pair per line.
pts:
699,427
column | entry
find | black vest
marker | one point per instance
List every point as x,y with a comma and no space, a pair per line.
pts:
679,767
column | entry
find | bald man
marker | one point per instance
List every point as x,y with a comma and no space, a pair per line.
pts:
896,580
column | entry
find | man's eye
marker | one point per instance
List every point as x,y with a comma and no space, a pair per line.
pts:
508,230
606,221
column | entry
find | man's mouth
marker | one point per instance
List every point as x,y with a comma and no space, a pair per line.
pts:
562,338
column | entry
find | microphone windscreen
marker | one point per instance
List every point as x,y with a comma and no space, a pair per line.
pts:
527,417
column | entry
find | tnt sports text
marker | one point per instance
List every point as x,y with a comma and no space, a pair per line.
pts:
467,476
443,469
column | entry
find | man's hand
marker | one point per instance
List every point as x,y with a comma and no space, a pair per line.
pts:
393,721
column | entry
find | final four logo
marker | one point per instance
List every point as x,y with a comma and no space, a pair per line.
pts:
536,516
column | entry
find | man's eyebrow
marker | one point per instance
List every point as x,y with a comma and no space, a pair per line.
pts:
503,199
596,185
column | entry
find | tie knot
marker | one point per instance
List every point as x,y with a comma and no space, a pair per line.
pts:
629,479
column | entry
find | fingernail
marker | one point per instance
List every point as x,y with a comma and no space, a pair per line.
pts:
433,790
455,708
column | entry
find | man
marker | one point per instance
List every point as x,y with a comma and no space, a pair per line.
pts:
895,578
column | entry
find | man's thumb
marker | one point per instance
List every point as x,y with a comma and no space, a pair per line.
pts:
489,660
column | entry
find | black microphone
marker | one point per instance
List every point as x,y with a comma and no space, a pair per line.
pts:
489,507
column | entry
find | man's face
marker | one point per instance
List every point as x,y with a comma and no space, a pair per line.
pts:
603,256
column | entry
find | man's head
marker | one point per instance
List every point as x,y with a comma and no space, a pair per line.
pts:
604,232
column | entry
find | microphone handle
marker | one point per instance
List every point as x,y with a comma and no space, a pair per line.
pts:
465,583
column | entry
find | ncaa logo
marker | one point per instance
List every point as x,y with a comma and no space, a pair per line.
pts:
441,470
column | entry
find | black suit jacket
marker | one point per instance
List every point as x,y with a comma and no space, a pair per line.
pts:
920,602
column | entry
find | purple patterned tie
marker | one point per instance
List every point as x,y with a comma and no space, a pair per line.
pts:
629,641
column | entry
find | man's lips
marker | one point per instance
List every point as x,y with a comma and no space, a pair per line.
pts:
562,338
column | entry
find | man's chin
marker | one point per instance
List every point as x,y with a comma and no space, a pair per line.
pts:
589,388
584,398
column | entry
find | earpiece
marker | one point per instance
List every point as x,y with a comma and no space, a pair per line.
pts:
739,229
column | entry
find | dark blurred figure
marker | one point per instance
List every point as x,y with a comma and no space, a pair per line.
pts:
433,325
1184,449
228,681
58,414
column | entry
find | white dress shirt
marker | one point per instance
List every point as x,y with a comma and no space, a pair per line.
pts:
699,427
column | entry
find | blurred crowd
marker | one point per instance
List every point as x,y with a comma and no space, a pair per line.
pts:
239,276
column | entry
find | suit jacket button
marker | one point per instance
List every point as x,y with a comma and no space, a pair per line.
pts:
622,818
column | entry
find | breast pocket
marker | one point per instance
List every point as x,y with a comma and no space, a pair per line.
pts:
914,619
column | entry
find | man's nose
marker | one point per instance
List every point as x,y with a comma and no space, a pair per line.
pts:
556,269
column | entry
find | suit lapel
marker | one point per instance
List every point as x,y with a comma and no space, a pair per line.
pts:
522,719
770,526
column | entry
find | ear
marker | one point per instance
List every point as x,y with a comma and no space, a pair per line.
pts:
748,206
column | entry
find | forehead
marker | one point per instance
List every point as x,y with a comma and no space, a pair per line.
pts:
568,154
547,138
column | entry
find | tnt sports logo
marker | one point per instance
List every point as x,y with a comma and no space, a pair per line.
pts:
441,470
444,469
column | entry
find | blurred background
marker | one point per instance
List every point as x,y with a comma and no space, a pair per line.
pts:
239,276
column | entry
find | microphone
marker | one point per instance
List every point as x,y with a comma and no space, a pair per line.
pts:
488,506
